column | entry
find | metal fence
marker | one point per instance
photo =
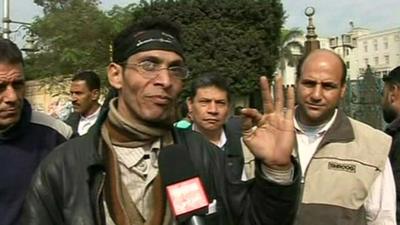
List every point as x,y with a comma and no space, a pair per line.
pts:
363,99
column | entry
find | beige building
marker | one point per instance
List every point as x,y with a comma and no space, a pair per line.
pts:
50,95
361,47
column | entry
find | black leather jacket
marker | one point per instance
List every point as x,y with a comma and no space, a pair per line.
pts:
393,130
68,187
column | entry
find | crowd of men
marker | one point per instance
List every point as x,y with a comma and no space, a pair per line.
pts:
299,161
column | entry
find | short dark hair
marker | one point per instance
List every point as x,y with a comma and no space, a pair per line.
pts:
300,64
126,38
10,53
210,79
90,77
393,77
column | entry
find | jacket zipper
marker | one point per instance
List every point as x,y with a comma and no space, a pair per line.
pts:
302,183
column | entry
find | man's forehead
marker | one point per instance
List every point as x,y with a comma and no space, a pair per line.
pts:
164,55
77,83
212,92
10,72
322,70
317,78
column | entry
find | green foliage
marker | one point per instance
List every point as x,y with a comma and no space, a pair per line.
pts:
238,38
50,6
369,87
73,35
122,16
365,98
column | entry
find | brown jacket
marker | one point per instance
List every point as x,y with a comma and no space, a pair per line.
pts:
337,181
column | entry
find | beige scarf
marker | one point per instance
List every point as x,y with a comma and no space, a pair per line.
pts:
120,132
132,134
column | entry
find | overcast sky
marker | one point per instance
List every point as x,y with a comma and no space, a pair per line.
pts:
332,17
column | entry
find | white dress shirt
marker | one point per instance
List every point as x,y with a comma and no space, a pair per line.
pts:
86,122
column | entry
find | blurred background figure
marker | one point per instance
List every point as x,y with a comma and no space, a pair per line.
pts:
391,115
85,94
209,103
185,119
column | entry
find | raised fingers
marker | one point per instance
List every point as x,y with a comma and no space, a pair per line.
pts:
250,118
266,95
290,100
279,96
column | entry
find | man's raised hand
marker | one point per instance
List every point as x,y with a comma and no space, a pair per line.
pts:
270,136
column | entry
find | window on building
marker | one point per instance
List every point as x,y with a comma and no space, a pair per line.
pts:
385,43
366,61
347,64
384,73
365,44
354,42
387,60
375,45
376,60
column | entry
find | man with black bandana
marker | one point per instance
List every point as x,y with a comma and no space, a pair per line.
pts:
111,176
391,115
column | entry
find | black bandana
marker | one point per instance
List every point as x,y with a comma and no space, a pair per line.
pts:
153,40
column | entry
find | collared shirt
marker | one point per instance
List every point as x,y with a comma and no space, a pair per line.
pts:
222,139
380,205
183,123
86,122
307,142
138,169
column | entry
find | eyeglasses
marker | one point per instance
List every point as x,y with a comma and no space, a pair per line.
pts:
150,70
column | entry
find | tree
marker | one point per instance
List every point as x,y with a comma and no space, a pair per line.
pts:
122,16
238,38
287,45
367,107
73,35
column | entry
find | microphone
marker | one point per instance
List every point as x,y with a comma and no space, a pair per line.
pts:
185,190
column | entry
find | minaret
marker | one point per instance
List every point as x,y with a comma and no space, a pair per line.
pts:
311,37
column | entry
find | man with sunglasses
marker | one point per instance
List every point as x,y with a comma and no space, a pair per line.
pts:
111,175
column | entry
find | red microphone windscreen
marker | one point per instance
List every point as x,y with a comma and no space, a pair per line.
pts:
187,196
